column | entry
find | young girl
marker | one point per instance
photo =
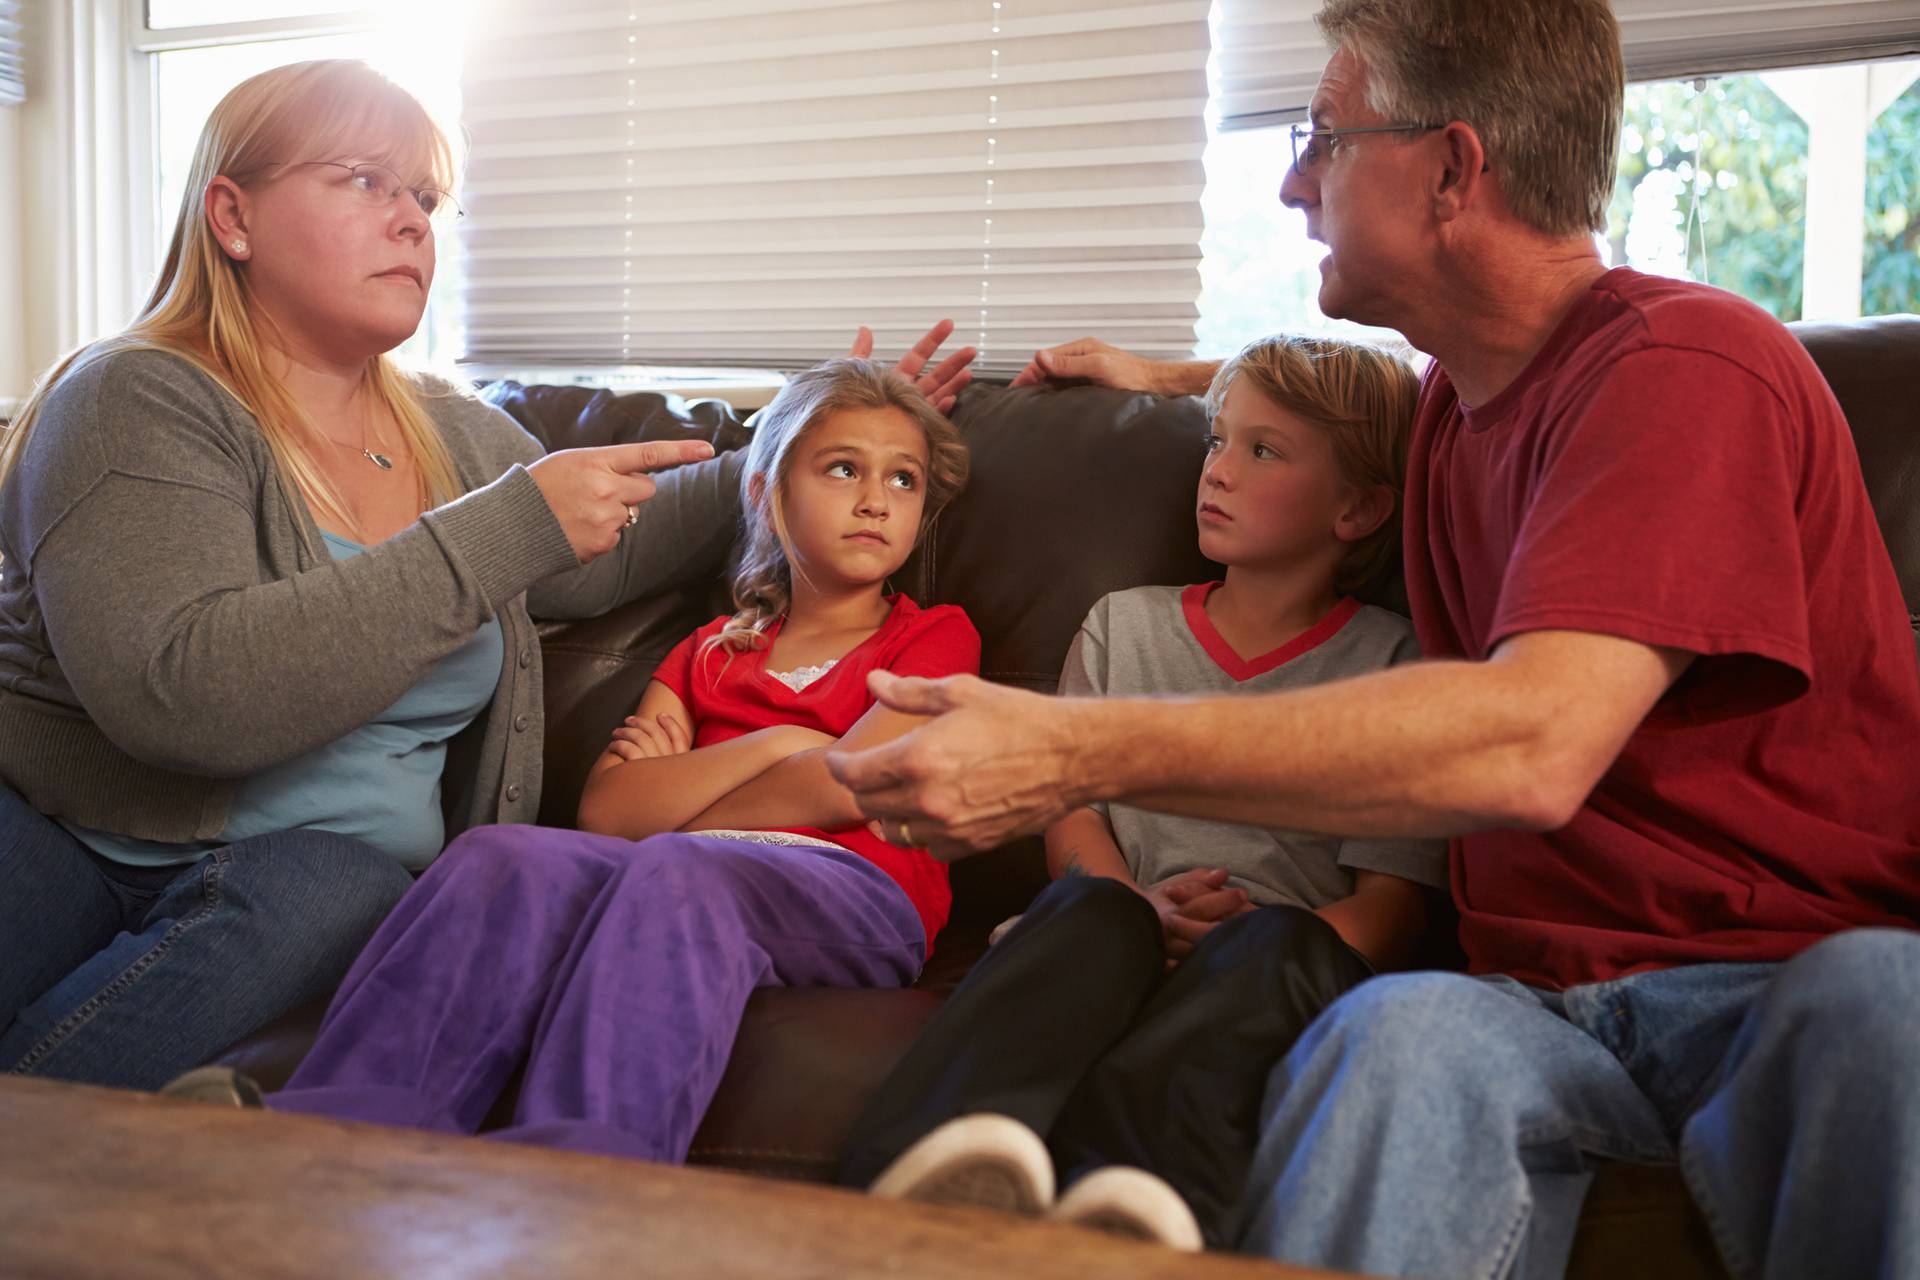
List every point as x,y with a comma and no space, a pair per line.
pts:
613,962
1133,1014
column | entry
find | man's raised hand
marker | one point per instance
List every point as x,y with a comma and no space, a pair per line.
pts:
942,384
1104,365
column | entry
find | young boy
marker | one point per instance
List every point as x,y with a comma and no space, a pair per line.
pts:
1133,1014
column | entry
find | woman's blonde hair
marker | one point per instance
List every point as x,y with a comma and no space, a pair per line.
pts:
202,309
1362,397
763,582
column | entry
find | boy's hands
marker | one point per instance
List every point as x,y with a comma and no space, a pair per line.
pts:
1190,905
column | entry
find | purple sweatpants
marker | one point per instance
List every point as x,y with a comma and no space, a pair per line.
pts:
615,971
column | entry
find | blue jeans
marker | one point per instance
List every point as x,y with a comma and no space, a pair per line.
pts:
1436,1124
128,976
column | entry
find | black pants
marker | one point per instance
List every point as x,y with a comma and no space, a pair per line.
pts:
1072,1025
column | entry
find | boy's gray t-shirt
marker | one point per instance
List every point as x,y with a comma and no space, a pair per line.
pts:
1159,640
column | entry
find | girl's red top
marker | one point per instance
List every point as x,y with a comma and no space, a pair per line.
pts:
730,693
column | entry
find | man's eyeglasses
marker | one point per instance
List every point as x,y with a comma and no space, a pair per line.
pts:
1305,158
381,187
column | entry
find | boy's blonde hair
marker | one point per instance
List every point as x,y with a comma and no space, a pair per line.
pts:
763,583
1362,397
202,308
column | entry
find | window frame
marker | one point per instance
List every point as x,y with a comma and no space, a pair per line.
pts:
148,39
137,148
138,143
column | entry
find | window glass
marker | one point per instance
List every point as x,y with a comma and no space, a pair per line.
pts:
421,53
1729,180
1890,281
167,14
1259,274
187,83
1713,185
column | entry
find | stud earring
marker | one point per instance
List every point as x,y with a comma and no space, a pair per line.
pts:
239,246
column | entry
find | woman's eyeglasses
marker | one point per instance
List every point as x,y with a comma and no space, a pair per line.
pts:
381,187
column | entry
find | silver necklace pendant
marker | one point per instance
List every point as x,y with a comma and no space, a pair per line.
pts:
379,460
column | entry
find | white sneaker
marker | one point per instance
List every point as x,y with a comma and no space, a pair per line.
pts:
1125,1201
988,1160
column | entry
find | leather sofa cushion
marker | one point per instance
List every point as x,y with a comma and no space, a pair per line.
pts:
1873,367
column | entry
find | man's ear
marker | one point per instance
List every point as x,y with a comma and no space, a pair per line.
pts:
227,211
1463,170
1366,509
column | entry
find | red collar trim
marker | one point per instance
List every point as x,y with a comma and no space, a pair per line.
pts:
1193,602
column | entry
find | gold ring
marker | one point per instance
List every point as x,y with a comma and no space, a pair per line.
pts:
633,516
906,837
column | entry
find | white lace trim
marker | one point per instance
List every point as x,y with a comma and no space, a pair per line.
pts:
768,837
800,677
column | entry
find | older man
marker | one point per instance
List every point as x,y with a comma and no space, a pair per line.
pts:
1670,718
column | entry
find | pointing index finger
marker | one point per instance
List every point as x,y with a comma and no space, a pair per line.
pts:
655,455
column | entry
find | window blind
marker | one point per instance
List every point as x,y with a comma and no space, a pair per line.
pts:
1270,60
1271,54
1668,41
13,59
745,182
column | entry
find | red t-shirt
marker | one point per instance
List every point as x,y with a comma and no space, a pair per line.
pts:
1671,468
729,698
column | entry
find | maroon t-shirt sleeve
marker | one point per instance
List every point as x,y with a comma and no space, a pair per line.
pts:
943,644
1664,512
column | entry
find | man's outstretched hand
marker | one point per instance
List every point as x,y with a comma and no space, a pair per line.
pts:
942,384
1104,365
994,764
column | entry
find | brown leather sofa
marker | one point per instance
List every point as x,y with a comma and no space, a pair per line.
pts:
1075,493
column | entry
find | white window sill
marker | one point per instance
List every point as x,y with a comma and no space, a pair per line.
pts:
744,389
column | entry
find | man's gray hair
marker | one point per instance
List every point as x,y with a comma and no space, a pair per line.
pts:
1541,82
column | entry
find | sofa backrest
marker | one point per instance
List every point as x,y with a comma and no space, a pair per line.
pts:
1075,493
1873,367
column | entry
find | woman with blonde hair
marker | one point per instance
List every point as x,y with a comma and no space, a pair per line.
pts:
257,580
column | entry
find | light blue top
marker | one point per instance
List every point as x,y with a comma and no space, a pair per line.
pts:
380,782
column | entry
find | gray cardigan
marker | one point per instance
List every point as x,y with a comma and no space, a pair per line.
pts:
170,622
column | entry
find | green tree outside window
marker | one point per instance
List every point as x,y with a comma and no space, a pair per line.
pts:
1890,282
1746,153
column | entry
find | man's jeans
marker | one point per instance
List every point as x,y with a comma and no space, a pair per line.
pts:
128,975
1436,1124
